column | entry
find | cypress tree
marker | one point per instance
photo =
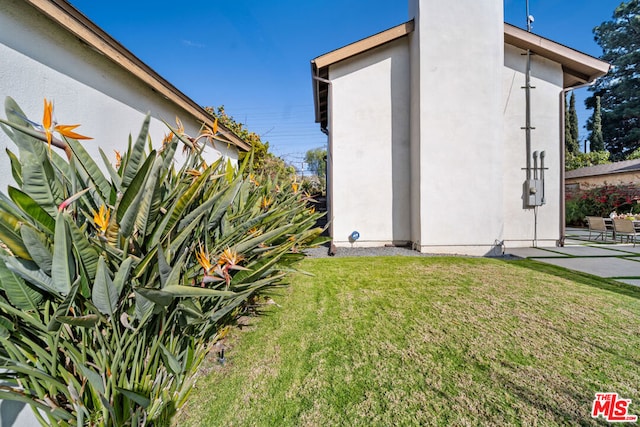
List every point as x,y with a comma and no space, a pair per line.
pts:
596,140
571,126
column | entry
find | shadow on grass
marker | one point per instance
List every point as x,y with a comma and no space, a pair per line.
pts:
579,277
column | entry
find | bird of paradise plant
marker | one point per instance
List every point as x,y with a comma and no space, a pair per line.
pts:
106,328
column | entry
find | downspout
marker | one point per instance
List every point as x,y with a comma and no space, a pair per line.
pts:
327,132
563,219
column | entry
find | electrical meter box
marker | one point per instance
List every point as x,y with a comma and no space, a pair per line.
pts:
533,192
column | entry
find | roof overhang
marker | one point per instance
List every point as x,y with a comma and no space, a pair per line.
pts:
80,26
320,65
578,68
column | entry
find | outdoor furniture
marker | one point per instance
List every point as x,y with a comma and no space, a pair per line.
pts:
597,225
625,227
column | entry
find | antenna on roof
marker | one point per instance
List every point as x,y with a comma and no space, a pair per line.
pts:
529,18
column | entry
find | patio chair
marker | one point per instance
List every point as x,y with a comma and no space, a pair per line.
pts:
624,227
597,225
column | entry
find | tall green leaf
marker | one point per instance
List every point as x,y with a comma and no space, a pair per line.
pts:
136,153
19,293
10,235
63,266
90,167
105,295
38,247
32,208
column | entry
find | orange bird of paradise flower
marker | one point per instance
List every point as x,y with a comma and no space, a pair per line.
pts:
101,218
50,126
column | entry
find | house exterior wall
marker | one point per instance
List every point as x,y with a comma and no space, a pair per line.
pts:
369,147
620,178
457,126
546,94
42,60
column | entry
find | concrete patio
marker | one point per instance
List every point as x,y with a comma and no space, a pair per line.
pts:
607,259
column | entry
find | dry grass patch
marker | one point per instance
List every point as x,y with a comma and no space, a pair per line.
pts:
428,341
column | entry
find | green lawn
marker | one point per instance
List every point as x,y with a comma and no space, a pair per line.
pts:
427,341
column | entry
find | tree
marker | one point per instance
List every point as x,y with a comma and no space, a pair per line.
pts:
571,126
620,103
317,161
596,140
263,160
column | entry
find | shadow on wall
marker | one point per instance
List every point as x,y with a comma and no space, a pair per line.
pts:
16,414
401,148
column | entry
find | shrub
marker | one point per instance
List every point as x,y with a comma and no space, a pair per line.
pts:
582,160
601,201
113,287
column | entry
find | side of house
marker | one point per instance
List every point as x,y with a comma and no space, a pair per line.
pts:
50,50
425,123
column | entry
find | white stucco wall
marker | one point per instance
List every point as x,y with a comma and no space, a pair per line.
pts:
457,98
38,59
369,128
546,78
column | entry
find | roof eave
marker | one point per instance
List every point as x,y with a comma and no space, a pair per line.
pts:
76,23
579,68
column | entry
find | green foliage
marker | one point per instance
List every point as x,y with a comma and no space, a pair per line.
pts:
571,126
317,160
113,287
596,139
601,201
619,39
582,160
263,161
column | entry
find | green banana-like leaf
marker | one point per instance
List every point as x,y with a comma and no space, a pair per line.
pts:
90,167
143,307
38,247
194,291
86,252
94,378
86,321
179,207
63,308
32,209
141,400
155,295
242,247
163,267
113,173
127,209
149,194
30,272
176,273
63,270
136,154
122,275
198,212
225,202
19,293
40,183
104,294
171,361
10,235
16,167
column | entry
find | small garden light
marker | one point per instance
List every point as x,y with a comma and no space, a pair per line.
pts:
354,236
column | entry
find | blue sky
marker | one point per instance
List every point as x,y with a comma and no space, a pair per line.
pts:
252,56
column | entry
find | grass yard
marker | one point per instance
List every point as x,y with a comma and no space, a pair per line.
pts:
427,341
